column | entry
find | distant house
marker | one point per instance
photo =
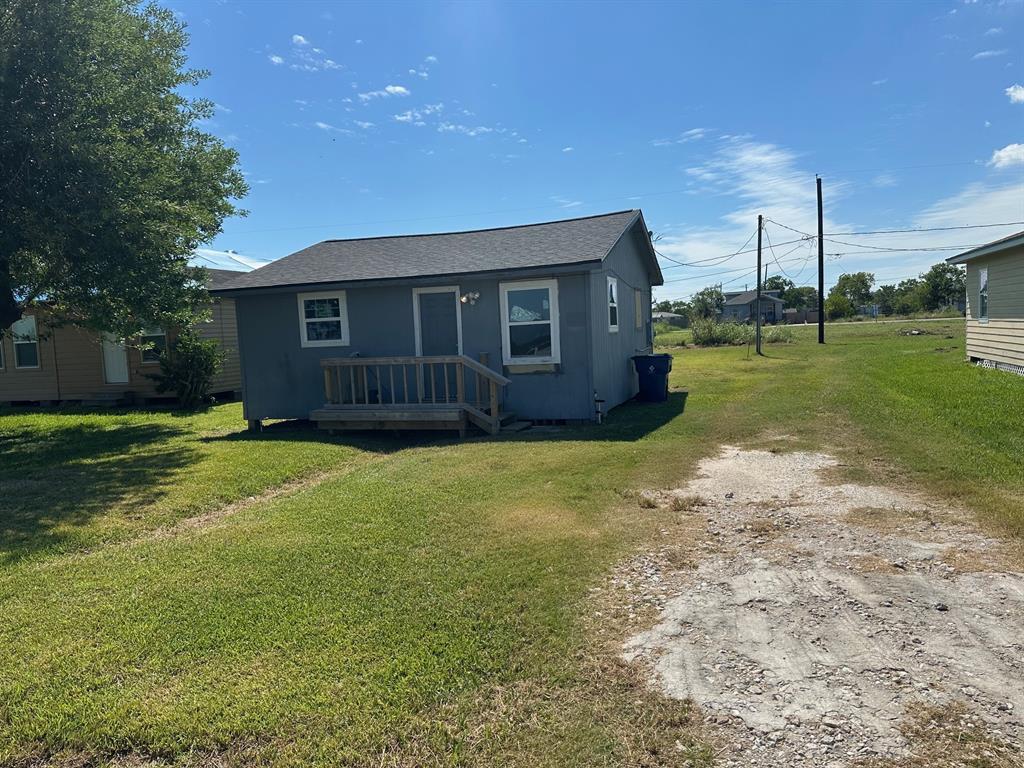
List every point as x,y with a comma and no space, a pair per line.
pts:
670,318
995,302
444,330
39,363
741,306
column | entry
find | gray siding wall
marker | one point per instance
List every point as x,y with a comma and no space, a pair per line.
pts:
615,379
1000,338
281,379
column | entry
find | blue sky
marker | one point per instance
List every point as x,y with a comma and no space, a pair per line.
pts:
388,118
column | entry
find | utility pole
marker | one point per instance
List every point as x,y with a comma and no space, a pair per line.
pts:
821,267
760,226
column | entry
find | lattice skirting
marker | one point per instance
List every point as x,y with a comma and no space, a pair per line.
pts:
1009,367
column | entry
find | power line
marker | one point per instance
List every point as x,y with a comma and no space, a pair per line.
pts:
723,260
926,229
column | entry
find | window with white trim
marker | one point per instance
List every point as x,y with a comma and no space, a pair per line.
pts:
26,343
323,319
613,304
983,293
529,322
153,342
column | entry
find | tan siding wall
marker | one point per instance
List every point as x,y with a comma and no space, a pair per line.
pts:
223,327
29,383
71,363
1001,338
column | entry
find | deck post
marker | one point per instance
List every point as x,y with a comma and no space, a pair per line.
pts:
327,385
460,383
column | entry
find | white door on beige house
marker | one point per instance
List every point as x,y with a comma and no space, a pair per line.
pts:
115,360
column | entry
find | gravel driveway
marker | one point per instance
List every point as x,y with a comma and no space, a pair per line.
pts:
825,613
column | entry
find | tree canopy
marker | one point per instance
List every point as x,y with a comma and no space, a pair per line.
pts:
707,302
108,183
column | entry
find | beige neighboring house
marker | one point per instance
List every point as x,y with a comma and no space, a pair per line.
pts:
39,364
995,303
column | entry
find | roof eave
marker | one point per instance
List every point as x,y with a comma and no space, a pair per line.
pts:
1012,241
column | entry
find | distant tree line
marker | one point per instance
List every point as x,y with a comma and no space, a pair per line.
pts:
941,286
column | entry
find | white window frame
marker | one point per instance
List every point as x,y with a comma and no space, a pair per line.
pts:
638,308
343,317
983,289
416,293
611,297
506,343
147,334
35,341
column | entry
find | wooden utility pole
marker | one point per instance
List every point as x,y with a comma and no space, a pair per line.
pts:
760,226
821,267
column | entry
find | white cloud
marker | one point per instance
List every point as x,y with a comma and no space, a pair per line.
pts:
989,54
419,73
988,124
1008,156
359,42
328,127
564,202
299,40
1016,94
694,134
994,31
364,124
416,116
431,59
568,149
466,130
385,92
221,108
885,180
276,60
880,81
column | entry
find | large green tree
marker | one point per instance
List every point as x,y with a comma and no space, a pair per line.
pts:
707,302
944,285
107,183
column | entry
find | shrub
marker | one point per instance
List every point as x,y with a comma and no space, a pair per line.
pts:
711,333
777,334
187,368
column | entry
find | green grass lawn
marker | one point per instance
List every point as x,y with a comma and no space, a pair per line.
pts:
417,603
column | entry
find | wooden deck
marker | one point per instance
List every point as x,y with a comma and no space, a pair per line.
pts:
411,393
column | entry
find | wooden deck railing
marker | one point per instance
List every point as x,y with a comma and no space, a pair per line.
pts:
382,382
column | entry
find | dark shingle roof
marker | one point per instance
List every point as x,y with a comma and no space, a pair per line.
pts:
218,278
553,243
748,296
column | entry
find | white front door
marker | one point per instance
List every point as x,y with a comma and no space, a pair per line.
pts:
115,360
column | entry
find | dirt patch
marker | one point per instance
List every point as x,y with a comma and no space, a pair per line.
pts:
826,614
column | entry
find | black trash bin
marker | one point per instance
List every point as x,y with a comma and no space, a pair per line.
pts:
653,373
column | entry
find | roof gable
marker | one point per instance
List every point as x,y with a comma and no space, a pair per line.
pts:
556,243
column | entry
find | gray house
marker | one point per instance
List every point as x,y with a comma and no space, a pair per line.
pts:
445,330
740,306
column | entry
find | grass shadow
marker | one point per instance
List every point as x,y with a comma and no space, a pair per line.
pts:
60,478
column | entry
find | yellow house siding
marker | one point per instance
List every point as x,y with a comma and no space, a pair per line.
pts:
223,327
71,363
1000,337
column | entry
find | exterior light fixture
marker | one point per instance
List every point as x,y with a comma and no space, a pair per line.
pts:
470,298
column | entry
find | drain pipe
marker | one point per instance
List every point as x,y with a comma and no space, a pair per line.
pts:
598,408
